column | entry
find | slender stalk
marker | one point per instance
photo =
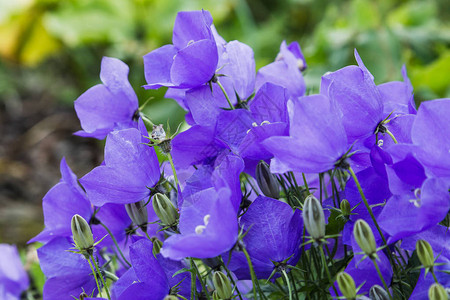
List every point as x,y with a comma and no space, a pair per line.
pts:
324,260
392,136
115,243
253,275
306,183
110,275
288,284
382,278
201,280
193,276
169,156
101,277
147,120
369,209
95,277
293,283
434,275
225,93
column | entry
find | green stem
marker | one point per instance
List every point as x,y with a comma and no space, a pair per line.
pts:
201,280
369,209
392,136
169,156
382,278
95,277
293,283
147,120
111,276
225,93
253,275
434,275
101,277
288,284
193,276
115,243
306,183
324,261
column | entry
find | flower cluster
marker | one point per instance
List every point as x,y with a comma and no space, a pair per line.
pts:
270,193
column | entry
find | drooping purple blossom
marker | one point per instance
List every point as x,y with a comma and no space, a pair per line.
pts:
108,106
273,238
192,59
316,141
68,274
13,277
285,70
150,277
130,169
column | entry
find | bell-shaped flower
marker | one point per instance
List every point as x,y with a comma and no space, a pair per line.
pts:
316,141
151,277
190,61
13,277
273,237
130,169
108,106
208,226
68,274
285,70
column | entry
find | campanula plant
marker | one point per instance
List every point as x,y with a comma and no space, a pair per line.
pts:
285,194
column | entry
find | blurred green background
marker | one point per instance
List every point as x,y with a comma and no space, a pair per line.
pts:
50,53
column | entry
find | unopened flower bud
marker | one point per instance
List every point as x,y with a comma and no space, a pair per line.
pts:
222,285
138,214
157,245
345,207
164,209
364,237
267,182
171,297
437,292
425,253
82,234
378,293
313,217
346,285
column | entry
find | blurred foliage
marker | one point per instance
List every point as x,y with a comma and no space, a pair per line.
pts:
62,42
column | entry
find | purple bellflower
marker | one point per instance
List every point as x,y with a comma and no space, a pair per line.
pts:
150,278
13,278
131,168
273,238
208,226
108,106
316,141
68,274
66,199
285,70
192,59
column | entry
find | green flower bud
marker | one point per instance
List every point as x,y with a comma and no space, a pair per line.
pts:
345,207
313,217
267,182
222,285
378,293
82,234
346,285
171,297
164,209
425,253
364,237
157,245
216,296
437,292
138,214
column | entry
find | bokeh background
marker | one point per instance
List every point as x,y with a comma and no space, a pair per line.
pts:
50,53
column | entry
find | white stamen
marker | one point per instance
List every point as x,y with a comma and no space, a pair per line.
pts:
199,229
380,143
206,219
